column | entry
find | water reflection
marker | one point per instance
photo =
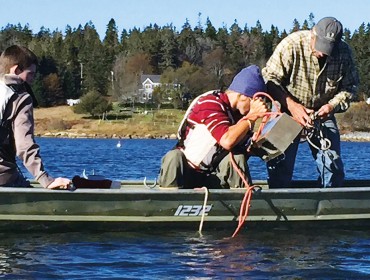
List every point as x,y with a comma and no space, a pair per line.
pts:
273,254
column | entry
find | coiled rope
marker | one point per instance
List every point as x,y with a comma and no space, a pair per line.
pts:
325,143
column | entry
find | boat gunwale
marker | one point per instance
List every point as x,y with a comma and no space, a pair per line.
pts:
146,190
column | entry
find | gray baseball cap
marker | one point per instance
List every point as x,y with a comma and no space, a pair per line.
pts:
328,33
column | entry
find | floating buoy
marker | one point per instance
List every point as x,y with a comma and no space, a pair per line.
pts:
119,144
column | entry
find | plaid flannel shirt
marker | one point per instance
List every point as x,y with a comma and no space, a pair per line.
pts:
295,68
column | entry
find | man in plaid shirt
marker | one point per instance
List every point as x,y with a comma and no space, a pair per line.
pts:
312,75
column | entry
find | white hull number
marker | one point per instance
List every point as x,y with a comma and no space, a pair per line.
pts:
192,210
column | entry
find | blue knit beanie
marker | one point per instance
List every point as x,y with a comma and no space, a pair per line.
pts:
248,81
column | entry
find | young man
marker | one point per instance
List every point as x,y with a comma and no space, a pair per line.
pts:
312,74
216,124
17,70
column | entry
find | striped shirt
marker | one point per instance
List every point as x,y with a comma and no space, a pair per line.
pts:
214,111
293,66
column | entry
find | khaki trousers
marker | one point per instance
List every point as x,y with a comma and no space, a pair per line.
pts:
176,172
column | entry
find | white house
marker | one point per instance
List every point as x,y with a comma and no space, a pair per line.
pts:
72,102
148,82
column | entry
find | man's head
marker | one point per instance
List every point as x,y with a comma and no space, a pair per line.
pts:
248,81
245,85
19,61
327,34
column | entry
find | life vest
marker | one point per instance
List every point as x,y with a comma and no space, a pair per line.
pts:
7,94
200,148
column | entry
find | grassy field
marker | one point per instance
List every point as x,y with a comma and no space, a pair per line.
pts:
63,119
155,124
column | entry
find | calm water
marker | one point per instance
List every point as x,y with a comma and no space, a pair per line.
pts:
168,254
139,158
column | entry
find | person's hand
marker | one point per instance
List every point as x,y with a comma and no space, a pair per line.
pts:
60,183
258,109
325,111
301,114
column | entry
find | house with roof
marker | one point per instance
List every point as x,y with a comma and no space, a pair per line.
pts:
148,83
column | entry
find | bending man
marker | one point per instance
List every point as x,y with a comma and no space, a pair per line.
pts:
215,124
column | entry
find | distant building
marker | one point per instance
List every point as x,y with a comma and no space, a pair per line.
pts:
148,82
72,102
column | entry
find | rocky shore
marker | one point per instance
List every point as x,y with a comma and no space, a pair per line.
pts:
356,136
351,136
113,136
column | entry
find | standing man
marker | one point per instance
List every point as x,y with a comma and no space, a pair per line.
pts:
216,124
17,71
313,76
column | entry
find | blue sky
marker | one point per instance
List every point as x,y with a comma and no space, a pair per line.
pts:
57,14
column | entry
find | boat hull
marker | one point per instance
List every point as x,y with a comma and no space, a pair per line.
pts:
134,206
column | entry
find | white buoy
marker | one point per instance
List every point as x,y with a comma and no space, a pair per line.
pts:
119,144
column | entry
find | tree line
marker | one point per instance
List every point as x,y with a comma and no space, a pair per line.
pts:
76,62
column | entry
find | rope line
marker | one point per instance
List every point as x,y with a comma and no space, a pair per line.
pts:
204,208
245,205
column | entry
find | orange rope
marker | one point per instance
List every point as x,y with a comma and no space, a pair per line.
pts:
245,205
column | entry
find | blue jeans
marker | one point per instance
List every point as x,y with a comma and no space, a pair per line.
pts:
329,162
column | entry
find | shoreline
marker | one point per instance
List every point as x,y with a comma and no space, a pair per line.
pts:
103,136
358,136
348,137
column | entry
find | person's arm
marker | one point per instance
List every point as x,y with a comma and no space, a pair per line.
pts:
347,88
299,112
26,147
277,76
238,131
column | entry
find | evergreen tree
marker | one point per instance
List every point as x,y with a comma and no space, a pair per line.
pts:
134,42
234,48
169,49
188,45
271,40
123,40
151,39
361,47
222,37
210,31
72,71
110,43
311,20
296,26
96,73
305,25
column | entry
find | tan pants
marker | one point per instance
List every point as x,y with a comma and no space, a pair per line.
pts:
176,172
